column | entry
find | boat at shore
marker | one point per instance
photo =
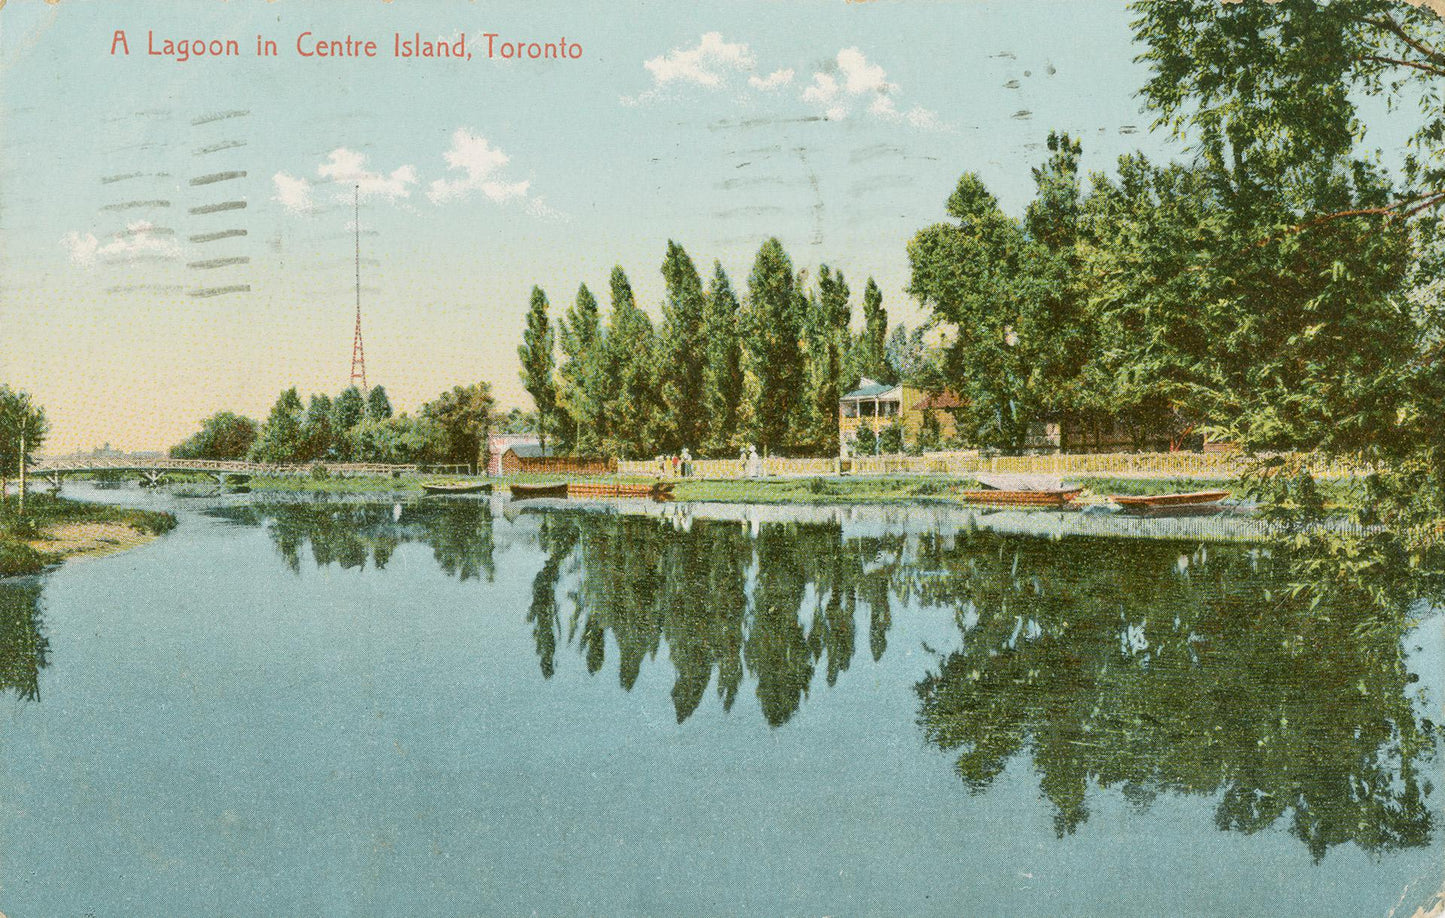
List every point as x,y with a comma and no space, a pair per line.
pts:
484,487
1042,497
584,490
1168,501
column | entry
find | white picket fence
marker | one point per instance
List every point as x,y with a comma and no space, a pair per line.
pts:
1112,465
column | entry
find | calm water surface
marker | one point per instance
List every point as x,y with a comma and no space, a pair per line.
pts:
452,708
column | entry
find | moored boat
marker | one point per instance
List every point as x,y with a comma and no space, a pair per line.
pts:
661,490
526,491
1044,497
1158,501
458,488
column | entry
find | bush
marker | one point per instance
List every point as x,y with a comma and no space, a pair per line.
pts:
891,439
865,443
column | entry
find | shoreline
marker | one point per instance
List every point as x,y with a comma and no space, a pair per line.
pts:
55,530
81,541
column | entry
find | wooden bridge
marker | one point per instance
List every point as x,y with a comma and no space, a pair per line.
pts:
154,471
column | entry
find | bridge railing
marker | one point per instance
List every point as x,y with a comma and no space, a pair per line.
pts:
79,464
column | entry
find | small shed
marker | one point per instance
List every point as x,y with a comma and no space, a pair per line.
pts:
533,459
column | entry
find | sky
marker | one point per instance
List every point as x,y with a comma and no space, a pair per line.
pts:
177,237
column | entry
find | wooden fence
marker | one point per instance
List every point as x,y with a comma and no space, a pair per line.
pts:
963,464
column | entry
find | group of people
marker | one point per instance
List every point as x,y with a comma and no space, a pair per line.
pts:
675,466
680,465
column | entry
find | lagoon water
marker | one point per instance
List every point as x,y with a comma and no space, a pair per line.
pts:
452,707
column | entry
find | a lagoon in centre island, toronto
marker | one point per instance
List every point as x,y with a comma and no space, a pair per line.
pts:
465,707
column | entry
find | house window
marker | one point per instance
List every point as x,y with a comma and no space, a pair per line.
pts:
850,409
890,409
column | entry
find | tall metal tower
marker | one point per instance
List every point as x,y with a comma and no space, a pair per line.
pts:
358,350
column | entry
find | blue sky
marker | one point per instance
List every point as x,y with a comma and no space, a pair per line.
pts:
841,128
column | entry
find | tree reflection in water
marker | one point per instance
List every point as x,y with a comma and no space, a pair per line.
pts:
23,648
778,607
1213,671
459,533
1271,676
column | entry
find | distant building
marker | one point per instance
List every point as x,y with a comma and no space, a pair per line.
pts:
499,443
878,405
533,459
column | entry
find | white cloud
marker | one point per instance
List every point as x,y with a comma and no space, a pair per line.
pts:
293,193
349,167
851,80
773,80
705,64
481,164
139,238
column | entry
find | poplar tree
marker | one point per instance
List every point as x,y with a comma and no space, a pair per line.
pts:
685,420
722,367
538,363
580,394
631,375
774,358
871,354
827,338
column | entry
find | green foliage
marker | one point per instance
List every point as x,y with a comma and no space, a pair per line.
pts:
930,432
870,350
723,384
772,330
581,392
347,411
402,441
459,422
280,438
865,441
223,435
827,338
630,373
539,363
890,438
378,405
683,379
20,418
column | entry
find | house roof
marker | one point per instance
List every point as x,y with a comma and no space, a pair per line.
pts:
530,451
870,388
940,400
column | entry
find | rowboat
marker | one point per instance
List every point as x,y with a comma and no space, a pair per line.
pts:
662,490
1047,497
460,488
1158,501
526,491
592,490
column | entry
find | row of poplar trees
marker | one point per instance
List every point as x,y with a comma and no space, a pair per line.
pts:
720,374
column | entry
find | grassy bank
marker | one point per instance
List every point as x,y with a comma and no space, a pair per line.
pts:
54,529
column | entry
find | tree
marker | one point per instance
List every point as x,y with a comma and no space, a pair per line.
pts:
280,438
347,411
827,339
316,429
773,355
223,435
539,363
1270,91
580,394
461,421
630,375
515,421
395,440
21,421
722,366
870,350
683,374
378,405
